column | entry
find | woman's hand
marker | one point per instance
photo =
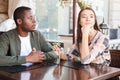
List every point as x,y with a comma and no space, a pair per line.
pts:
86,29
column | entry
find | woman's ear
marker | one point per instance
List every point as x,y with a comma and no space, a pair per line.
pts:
19,21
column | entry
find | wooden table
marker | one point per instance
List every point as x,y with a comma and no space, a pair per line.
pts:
64,71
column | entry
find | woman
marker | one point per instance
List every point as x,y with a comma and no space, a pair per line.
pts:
91,44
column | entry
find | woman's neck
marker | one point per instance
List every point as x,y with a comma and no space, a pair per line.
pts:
92,35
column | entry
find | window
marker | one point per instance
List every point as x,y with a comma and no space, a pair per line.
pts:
53,19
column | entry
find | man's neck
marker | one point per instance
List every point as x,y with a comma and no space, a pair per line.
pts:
22,33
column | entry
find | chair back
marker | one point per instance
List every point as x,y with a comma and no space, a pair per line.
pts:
115,58
1,32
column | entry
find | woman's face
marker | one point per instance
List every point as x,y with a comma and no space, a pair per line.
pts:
87,18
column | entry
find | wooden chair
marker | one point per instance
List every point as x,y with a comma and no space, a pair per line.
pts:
115,58
115,61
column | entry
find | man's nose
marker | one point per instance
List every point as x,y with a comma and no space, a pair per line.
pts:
34,20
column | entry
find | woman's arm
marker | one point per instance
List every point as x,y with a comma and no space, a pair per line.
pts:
99,52
84,44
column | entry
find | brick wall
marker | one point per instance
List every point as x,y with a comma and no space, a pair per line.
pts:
3,10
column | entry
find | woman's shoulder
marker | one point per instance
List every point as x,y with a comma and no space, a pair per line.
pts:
102,35
104,39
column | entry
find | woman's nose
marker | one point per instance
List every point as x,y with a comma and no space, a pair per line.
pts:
87,18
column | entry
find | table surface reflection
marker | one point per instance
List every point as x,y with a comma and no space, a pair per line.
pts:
64,71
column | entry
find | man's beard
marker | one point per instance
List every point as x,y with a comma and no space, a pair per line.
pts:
26,29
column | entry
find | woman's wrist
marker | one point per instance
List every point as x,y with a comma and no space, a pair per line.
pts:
76,59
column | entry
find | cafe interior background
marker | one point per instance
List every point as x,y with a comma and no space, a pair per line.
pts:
56,19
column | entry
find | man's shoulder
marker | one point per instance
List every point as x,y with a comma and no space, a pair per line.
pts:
9,32
36,32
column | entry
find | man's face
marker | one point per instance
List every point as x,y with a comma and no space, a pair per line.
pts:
28,21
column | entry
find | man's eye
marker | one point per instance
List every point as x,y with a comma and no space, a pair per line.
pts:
30,18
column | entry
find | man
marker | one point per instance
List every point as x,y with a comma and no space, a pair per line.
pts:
24,45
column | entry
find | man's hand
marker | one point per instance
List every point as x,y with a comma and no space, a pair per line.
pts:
35,56
58,51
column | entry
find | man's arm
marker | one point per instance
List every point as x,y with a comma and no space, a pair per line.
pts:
46,47
8,54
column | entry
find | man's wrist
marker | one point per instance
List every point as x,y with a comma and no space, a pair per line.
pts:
62,56
27,59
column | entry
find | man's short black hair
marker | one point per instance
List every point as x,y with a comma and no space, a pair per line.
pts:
19,13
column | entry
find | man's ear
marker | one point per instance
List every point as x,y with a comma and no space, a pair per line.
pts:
19,21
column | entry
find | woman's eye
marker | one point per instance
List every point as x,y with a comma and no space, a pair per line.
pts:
83,16
91,16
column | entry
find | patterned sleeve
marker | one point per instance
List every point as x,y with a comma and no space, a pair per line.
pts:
99,52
